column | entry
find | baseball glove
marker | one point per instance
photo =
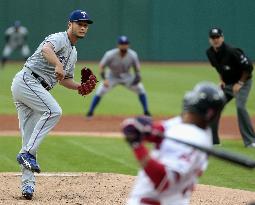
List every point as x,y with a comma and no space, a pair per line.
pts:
88,81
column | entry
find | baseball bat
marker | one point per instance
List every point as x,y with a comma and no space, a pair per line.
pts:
235,158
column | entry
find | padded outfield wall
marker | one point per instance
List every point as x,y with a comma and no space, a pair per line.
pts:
160,30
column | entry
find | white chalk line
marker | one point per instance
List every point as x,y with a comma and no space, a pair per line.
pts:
58,174
12,133
66,133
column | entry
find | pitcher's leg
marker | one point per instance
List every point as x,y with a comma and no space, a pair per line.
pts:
45,124
27,121
36,107
34,96
27,183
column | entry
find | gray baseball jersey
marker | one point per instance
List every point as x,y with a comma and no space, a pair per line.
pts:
38,111
65,52
119,65
16,38
119,71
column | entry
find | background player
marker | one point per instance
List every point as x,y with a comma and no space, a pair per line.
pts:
235,72
38,111
119,61
15,39
170,171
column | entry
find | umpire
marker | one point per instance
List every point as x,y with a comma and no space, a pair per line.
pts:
235,72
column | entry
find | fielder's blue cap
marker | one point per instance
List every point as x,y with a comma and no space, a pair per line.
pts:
123,40
17,24
79,15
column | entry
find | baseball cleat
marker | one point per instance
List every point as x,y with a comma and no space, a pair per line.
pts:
28,192
28,161
89,115
147,113
252,145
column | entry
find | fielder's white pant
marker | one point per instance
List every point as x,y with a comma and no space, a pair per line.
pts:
9,49
125,80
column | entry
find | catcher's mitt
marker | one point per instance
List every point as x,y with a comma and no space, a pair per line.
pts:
88,81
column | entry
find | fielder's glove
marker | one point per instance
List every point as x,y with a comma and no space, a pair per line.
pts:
137,79
88,81
134,129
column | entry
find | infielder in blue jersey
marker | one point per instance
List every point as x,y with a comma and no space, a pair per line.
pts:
38,112
119,61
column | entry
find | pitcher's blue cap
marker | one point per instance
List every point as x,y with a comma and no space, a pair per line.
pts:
79,15
123,40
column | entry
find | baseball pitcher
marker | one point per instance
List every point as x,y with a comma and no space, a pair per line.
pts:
170,172
38,112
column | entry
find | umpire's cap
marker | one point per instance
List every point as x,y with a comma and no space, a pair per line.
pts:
123,40
206,100
79,15
215,33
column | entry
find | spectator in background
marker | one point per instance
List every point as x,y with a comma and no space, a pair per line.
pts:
235,73
15,37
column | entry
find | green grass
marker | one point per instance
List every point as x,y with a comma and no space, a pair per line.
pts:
91,154
225,174
73,154
165,85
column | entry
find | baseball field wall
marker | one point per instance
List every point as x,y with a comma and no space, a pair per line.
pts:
160,30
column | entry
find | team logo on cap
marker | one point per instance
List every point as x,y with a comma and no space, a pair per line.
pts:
215,30
84,14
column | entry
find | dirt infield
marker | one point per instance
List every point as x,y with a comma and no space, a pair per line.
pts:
105,124
102,189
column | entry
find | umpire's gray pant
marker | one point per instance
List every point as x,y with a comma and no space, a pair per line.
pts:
244,121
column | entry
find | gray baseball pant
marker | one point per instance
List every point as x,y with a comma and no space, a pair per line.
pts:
38,113
244,121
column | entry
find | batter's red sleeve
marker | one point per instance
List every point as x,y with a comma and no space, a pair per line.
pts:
156,172
154,169
156,135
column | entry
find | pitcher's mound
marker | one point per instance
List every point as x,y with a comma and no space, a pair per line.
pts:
101,189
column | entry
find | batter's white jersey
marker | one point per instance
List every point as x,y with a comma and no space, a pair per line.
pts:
178,159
